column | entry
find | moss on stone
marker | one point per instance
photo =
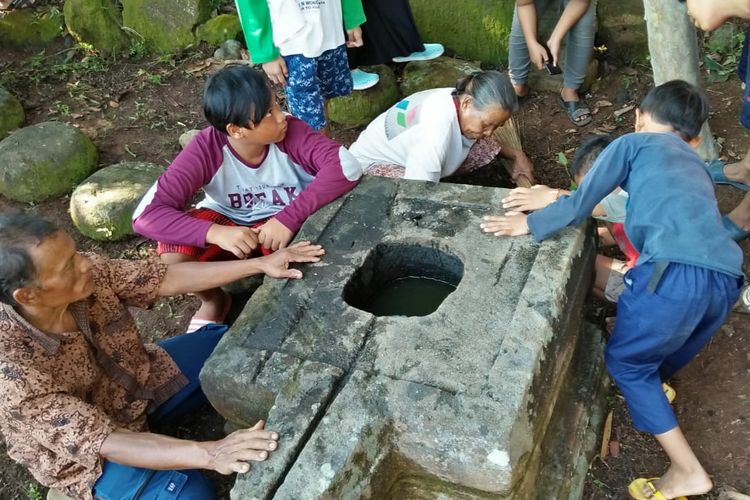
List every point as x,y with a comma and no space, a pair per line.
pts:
43,161
165,25
219,29
96,22
437,73
360,107
102,206
12,115
475,29
623,30
25,27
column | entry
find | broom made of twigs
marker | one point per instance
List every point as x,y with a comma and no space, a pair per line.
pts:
508,135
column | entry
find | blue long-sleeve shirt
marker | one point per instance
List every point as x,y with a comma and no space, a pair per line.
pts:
672,214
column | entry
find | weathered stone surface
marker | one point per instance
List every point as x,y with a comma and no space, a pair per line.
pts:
165,25
623,30
467,402
12,115
231,50
361,106
102,206
219,29
96,22
44,160
437,73
24,27
476,29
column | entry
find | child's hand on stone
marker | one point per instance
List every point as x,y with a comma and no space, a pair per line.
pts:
274,235
241,241
276,265
533,198
510,224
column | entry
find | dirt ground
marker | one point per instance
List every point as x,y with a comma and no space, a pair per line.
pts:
136,107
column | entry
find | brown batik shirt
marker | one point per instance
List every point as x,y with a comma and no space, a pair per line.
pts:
61,395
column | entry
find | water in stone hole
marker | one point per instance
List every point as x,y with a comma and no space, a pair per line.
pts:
409,296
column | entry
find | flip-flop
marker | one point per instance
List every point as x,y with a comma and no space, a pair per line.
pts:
716,171
735,231
575,110
196,322
636,490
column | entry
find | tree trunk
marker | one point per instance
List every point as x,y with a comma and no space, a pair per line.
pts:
673,46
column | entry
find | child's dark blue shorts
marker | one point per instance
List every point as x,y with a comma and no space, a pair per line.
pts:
311,80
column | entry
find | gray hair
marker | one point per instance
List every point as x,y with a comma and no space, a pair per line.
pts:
19,232
489,88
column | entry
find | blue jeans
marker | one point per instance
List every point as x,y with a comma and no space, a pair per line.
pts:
579,44
657,333
123,482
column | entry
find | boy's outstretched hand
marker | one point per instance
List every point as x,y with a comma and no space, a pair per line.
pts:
274,235
510,224
525,199
276,265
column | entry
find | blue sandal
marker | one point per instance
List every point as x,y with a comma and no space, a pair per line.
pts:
716,171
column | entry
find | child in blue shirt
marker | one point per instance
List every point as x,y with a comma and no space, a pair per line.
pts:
686,279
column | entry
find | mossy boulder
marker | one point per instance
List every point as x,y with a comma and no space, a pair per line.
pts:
434,74
165,25
96,22
219,29
476,29
623,30
11,112
44,161
102,206
361,106
24,27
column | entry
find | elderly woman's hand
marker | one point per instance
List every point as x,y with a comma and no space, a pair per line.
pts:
276,265
522,166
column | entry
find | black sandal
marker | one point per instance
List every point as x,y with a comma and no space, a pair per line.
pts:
577,111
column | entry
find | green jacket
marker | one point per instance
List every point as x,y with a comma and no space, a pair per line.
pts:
255,19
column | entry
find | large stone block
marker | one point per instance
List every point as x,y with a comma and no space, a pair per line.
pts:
437,73
165,25
24,27
44,161
97,22
12,115
219,29
470,401
360,107
622,28
102,206
475,29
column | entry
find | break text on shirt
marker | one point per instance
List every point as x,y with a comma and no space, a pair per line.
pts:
258,198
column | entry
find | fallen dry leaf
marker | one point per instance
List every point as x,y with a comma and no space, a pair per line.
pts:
603,104
607,433
624,110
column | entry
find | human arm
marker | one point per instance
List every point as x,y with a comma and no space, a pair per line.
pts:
158,452
520,163
527,17
335,169
255,19
569,17
523,199
161,213
188,277
353,13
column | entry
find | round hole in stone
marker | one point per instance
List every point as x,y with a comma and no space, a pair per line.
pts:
398,279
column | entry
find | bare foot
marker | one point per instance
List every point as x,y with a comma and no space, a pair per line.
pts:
676,483
213,305
522,90
738,172
740,215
